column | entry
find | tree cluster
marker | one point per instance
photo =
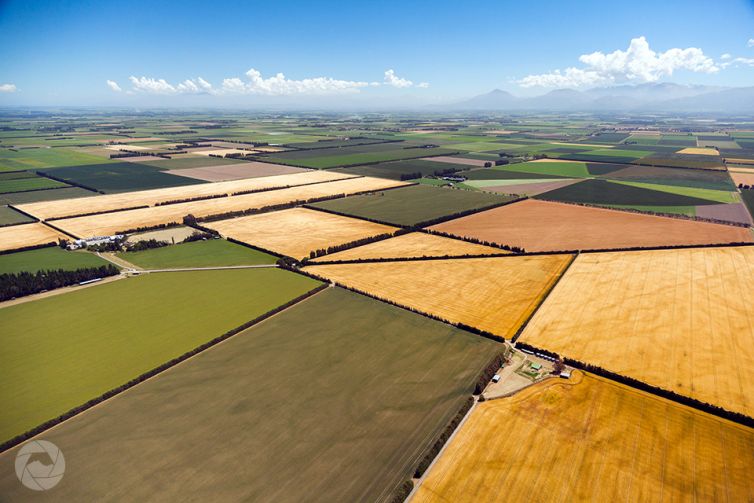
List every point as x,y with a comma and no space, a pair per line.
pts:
14,285
444,436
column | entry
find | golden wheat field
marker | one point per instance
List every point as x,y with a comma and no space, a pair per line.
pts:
109,202
297,231
492,294
18,236
108,223
412,245
679,319
592,440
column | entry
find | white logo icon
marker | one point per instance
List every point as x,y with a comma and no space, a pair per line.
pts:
37,475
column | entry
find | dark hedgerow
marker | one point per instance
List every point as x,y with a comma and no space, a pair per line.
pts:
14,285
444,436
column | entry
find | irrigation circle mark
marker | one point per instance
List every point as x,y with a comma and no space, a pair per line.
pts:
35,474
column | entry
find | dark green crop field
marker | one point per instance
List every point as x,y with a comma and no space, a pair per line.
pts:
210,253
334,399
412,205
61,351
396,170
51,258
120,177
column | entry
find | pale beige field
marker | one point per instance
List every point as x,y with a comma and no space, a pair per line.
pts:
492,294
593,440
18,236
223,151
67,207
297,231
108,223
128,147
679,319
698,151
415,244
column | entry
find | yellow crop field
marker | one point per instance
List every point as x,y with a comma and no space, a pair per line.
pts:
698,151
412,245
297,231
682,320
108,223
592,440
493,294
67,207
19,236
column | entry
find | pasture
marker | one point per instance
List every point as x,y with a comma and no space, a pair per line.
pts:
9,216
492,294
46,259
412,205
296,232
592,440
120,177
412,245
551,226
334,399
86,342
210,253
677,319
34,196
44,158
25,181
109,223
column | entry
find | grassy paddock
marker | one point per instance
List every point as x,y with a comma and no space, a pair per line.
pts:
51,258
211,253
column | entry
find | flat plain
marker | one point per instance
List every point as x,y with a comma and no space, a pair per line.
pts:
22,235
678,319
109,223
592,440
492,294
86,342
412,245
50,258
550,226
334,399
298,231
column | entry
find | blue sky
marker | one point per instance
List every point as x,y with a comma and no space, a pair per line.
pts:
63,53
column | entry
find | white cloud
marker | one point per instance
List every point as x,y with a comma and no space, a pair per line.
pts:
114,86
280,85
638,63
726,56
738,61
391,79
7,88
161,86
422,85
750,43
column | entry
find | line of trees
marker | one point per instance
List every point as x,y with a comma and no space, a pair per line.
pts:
69,182
91,213
410,259
489,371
20,284
161,368
468,239
443,438
352,244
649,388
28,248
191,199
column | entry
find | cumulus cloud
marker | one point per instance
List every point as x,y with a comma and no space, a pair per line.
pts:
750,43
737,62
7,88
391,79
114,86
638,63
280,85
161,86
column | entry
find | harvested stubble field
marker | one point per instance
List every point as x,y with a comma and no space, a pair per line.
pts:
412,245
334,399
109,223
297,231
83,343
592,440
549,226
678,319
22,235
63,208
492,294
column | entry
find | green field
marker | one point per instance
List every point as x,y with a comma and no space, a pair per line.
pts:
412,205
335,399
551,169
51,258
324,158
45,195
62,351
121,177
9,216
395,170
40,158
603,192
25,181
210,253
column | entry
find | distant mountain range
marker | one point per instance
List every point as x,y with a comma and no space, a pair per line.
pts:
661,97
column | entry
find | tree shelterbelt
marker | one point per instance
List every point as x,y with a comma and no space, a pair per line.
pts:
26,283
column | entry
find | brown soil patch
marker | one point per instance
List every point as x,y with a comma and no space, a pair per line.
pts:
237,171
549,226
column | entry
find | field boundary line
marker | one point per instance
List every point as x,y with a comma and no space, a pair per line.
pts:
156,371
544,297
